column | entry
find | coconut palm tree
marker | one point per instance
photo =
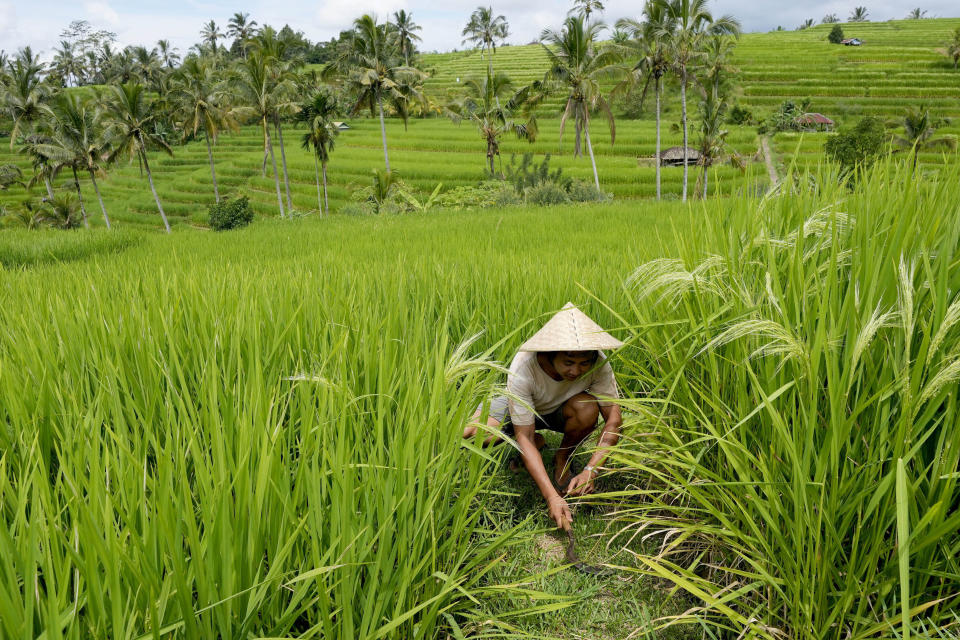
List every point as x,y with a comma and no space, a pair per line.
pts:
147,66
919,132
202,103
830,18
35,146
406,33
716,62
480,105
653,61
577,64
25,94
916,14
712,144
78,145
689,24
859,14
584,8
241,29
67,64
485,30
130,121
375,73
952,48
318,113
210,34
283,80
168,54
252,86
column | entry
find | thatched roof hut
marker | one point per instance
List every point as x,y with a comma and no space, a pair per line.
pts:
815,122
673,157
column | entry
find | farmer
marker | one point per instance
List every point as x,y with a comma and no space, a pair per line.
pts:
559,381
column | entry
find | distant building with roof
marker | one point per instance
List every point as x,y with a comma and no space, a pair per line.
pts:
673,157
815,122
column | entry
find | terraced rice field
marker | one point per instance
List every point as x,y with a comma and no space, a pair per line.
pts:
897,67
427,152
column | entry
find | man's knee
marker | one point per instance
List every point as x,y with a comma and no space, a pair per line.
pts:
583,410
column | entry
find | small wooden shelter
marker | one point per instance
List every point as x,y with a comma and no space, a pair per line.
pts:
673,157
815,122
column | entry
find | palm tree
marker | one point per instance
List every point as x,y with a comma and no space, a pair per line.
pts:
168,54
653,57
806,24
584,8
321,135
202,103
919,132
916,14
25,95
577,64
480,105
130,120
147,66
77,145
830,18
210,33
485,30
716,65
406,33
252,86
283,80
67,64
713,138
371,60
952,48
689,23
35,146
859,14
241,29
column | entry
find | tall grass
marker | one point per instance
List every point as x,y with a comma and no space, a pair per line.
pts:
257,434
796,450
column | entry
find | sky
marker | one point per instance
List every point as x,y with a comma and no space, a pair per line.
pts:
40,22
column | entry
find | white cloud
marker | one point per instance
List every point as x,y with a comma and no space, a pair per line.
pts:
102,12
8,19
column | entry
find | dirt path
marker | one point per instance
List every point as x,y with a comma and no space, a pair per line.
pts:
768,158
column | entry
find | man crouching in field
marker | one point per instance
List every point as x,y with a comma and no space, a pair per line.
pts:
559,381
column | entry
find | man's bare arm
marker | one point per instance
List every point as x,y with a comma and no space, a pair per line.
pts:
559,510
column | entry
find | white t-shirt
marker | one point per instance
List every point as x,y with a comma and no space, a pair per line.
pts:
529,382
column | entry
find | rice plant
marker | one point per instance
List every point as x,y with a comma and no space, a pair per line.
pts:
795,451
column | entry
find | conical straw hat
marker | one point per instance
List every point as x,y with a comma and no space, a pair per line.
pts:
570,330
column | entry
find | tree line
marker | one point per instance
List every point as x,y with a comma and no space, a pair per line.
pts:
92,106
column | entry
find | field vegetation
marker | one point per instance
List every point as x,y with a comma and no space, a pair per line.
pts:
257,433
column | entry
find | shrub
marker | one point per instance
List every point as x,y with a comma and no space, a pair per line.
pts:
581,191
858,148
529,174
548,193
836,34
740,115
231,214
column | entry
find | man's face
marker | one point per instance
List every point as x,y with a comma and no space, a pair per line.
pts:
573,364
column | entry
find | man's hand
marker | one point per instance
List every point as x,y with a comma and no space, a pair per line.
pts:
560,513
581,484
